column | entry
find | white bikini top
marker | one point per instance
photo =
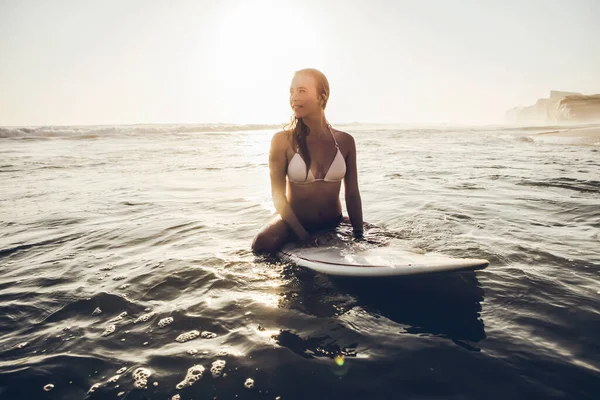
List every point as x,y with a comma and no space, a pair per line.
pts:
297,173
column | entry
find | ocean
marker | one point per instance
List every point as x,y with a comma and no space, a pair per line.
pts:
126,269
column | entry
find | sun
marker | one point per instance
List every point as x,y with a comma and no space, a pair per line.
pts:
257,45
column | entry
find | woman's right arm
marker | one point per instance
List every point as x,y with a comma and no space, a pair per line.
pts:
277,171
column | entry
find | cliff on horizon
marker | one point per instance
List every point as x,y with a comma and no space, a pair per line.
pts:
559,108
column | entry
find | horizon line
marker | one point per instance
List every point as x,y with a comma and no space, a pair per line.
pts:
254,124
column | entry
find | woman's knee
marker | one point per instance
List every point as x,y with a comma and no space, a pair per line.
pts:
264,243
269,240
259,243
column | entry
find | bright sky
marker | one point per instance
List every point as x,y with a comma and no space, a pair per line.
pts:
69,62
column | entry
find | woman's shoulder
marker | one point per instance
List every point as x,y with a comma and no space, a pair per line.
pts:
344,138
281,139
280,135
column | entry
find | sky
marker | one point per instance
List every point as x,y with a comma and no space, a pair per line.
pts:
73,62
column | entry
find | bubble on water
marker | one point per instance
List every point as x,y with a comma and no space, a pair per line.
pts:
94,387
145,343
48,387
120,394
208,335
118,317
114,378
192,352
124,286
176,397
228,351
97,311
119,278
184,337
143,318
194,373
155,384
109,329
140,377
120,371
249,384
278,398
164,322
21,345
217,368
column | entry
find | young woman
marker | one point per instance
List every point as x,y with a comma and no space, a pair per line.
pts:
316,159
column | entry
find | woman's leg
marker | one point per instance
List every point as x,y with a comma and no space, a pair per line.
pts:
272,236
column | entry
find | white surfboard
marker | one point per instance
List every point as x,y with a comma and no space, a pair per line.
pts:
342,260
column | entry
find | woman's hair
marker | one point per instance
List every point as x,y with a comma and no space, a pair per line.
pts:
297,127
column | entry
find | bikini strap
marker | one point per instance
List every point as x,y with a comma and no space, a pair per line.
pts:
334,139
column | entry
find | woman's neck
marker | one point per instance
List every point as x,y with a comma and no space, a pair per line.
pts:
318,126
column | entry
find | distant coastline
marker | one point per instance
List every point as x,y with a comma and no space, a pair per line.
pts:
561,108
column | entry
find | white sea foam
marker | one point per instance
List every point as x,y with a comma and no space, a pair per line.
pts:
143,318
109,330
184,337
94,387
194,373
118,317
140,377
217,368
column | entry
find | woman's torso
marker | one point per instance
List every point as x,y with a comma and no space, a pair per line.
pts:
318,203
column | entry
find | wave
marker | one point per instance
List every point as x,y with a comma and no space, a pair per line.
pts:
99,131
93,132
583,186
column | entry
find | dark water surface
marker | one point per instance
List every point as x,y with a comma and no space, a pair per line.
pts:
146,225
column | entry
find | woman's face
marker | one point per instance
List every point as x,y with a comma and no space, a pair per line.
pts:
304,98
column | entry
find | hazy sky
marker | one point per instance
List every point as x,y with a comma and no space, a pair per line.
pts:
119,62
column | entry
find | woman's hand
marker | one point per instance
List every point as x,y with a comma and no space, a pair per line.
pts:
309,241
358,235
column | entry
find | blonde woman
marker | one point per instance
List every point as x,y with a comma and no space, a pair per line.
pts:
311,160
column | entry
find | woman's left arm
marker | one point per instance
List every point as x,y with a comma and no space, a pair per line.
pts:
352,194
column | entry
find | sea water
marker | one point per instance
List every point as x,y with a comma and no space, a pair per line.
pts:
126,269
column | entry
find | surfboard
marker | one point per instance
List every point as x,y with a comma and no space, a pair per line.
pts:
344,260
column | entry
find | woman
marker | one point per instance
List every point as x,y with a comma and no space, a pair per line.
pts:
316,158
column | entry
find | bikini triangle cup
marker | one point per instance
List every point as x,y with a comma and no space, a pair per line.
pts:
297,168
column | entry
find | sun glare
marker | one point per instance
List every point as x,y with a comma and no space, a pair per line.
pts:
257,47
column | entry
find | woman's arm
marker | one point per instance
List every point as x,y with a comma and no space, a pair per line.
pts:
352,194
277,171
